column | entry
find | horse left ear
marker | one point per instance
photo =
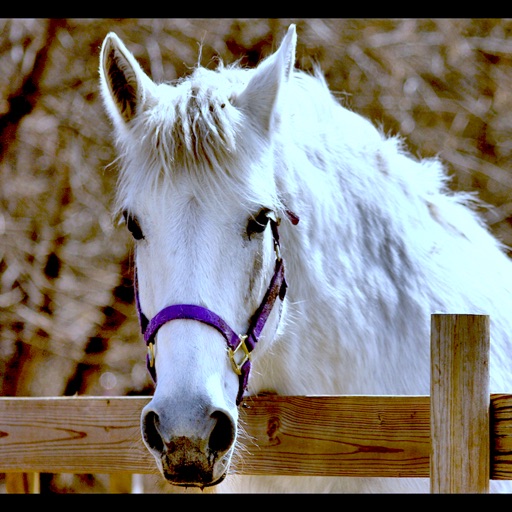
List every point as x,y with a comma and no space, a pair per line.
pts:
259,97
124,84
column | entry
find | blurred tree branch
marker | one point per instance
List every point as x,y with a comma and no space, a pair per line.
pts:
23,100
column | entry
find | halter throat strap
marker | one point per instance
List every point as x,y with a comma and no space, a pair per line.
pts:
240,346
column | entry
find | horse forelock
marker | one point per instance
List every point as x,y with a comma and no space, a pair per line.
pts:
193,128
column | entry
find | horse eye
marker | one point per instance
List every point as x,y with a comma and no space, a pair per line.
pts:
259,223
133,225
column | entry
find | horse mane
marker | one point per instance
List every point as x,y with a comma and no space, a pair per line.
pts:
191,127
197,131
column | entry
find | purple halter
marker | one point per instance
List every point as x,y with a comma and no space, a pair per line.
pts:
240,346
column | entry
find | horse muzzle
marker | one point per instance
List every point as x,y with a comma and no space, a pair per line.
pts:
199,458
184,463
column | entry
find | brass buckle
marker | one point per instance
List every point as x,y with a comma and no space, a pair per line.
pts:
237,365
151,354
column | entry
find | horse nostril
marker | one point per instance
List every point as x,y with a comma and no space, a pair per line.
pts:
151,433
223,434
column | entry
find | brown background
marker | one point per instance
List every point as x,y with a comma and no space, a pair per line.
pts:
67,322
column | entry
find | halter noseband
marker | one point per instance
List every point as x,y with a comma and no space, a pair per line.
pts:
240,346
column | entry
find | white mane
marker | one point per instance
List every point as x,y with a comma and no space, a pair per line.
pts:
192,128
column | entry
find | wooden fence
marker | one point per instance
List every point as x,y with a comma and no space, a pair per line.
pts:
460,436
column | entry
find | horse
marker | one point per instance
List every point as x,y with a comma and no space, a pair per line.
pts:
283,244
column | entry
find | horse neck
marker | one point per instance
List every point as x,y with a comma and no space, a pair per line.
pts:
333,255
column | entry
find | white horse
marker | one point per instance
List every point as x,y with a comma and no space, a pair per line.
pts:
208,167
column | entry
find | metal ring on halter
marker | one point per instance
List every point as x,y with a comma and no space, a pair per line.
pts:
237,365
151,355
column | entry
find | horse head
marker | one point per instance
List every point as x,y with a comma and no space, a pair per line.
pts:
198,191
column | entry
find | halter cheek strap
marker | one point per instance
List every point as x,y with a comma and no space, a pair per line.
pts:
240,346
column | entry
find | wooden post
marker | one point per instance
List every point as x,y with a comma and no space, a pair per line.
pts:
120,483
460,404
22,483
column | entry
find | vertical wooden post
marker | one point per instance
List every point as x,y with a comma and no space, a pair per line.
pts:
120,483
459,404
22,483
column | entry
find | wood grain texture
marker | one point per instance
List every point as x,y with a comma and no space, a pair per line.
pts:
313,435
324,435
501,436
460,402
60,435
337,435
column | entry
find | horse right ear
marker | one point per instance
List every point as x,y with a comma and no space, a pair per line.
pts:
124,84
260,96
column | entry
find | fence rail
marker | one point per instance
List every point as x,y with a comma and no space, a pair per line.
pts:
460,436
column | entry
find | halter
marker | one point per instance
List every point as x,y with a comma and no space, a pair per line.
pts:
240,346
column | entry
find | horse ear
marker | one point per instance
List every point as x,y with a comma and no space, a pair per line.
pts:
123,82
260,95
